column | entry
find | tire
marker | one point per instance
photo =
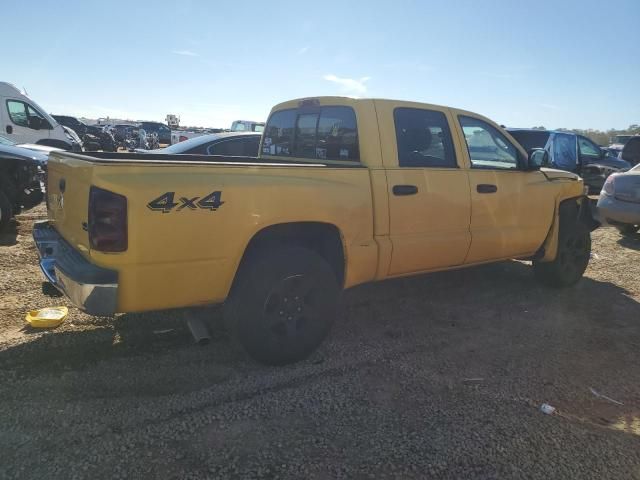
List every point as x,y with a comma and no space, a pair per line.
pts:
282,304
6,211
628,230
574,251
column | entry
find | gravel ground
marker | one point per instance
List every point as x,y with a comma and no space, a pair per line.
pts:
438,376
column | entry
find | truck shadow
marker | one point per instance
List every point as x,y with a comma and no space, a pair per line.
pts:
108,339
9,235
630,241
439,308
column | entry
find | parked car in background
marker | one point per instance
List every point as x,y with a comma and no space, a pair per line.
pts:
78,125
185,134
573,153
618,142
247,126
23,121
20,175
631,150
73,123
77,145
235,144
612,151
160,129
619,202
43,149
121,131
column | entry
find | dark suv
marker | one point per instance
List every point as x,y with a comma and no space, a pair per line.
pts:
163,131
77,125
574,153
73,123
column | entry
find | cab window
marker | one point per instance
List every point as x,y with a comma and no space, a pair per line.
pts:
18,113
423,138
324,133
42,122
588,148
488,148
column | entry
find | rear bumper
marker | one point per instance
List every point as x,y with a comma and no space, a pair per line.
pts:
618,212
89,287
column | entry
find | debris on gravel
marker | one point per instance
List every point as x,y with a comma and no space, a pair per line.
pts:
439,376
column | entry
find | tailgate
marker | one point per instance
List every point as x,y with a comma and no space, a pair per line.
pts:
69,180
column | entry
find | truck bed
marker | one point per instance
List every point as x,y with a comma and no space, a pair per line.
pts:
162,158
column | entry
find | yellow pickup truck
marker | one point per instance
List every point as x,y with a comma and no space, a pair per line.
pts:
344,191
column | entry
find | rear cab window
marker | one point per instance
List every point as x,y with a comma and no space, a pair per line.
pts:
314,132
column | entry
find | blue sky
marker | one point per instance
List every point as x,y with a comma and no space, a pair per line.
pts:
573,64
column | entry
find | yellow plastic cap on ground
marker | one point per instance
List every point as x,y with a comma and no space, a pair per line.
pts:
48,317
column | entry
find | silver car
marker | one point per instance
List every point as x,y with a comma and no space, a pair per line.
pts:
619,203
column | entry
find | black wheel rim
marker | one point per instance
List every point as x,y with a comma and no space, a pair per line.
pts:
291,306
574,253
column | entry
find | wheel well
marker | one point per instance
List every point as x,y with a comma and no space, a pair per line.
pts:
568,207
322,238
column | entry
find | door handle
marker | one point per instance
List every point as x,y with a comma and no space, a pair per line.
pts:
486,188
403,190
9,129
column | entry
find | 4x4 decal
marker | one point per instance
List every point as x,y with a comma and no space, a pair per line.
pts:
165,203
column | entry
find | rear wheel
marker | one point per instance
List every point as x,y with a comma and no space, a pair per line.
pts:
6,211
628,229
574,251
283,305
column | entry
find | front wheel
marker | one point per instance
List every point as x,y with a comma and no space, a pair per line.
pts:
283,304
572,259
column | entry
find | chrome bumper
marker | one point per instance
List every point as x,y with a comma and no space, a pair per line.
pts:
89,287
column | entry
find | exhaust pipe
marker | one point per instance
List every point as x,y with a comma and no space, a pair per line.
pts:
199,331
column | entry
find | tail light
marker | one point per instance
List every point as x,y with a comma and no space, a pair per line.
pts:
609,187
107,223
182,138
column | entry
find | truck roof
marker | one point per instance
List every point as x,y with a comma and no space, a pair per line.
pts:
510,129
7,88
339,100
352,101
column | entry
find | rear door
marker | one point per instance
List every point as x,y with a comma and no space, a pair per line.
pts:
512,208
428,191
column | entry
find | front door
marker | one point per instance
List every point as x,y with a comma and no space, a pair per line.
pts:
511,208
24,124
429,204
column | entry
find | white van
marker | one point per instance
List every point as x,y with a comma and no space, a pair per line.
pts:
23,121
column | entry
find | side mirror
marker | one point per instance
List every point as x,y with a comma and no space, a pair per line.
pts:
538,158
